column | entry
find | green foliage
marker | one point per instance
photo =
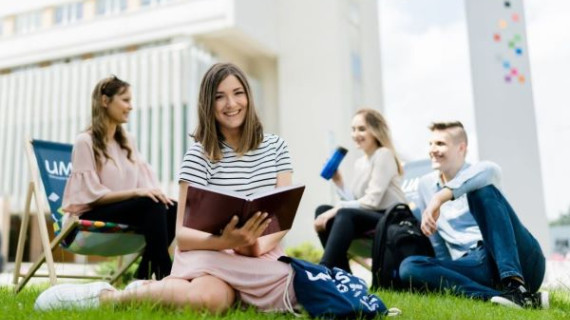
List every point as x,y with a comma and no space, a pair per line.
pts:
563,220
306,251
108,268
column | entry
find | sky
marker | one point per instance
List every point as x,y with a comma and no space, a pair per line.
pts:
425,62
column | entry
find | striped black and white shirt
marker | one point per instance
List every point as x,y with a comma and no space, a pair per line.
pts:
253,172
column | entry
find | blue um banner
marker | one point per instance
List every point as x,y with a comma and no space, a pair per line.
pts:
54,164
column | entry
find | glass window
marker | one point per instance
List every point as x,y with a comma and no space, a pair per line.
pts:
58,19
100,7
68,13
28,22
79,11
108,7
145,3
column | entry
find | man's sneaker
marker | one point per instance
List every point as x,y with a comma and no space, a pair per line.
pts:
519,297
72,296
541,300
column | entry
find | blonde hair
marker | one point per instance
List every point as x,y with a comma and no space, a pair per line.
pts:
207,132
108,87
379,128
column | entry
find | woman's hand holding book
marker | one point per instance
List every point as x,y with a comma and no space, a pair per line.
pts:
247,235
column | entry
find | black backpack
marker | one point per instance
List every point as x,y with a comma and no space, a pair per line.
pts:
398,235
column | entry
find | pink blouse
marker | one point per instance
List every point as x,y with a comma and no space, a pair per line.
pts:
86,184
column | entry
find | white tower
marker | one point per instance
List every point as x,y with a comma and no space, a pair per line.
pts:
504,109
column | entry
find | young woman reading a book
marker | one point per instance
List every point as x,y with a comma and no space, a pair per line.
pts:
375,187
111,182
211,272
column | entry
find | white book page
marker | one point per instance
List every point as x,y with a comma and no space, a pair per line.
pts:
221,191
273,191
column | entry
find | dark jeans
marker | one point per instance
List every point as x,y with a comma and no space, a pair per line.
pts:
508,249
347,225
153,220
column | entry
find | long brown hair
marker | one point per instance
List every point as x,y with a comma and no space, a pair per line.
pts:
208,132
108,87
380,130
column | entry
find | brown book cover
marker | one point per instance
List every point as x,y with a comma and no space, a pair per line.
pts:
210,210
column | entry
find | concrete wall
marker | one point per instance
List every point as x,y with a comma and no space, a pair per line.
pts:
316,92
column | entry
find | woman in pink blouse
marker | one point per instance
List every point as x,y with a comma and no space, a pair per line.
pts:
111,182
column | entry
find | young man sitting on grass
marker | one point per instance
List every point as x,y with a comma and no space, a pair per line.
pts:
491,255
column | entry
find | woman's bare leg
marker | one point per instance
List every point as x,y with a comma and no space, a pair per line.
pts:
203,293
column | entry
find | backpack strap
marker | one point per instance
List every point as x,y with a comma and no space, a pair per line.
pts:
378,244
286,297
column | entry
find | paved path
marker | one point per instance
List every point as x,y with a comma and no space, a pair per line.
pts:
557,273
66,268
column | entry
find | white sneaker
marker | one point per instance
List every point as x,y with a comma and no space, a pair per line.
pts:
136,284
72,296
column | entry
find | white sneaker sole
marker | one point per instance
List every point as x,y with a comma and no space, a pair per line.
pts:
505,302
545,300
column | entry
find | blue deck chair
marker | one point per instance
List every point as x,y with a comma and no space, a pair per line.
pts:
361,249
53,163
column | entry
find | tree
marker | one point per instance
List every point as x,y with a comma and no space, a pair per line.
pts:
563,219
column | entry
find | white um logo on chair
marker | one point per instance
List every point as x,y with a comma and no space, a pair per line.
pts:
59,170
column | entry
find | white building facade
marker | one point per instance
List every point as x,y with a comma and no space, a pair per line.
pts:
311,64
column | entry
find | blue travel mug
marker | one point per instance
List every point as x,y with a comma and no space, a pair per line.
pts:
332,165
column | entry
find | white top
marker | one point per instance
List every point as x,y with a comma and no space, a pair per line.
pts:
375,184
255,171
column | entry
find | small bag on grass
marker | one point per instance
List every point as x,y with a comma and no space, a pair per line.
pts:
334,294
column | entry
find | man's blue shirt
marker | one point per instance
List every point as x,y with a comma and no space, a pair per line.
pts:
457,230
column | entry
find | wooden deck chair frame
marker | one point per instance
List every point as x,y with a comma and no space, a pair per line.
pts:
34,192
360,250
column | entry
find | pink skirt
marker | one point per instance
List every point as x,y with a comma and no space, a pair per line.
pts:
260,282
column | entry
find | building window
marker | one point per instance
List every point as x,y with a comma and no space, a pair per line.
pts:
108,7
68,13
145,3
28,22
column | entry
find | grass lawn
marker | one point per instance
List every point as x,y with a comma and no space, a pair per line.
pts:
413,307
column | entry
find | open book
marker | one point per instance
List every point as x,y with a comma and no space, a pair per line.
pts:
210,210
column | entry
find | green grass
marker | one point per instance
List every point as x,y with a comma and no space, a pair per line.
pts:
21,306
438,306
413,306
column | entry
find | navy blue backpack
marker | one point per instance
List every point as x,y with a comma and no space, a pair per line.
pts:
333,294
